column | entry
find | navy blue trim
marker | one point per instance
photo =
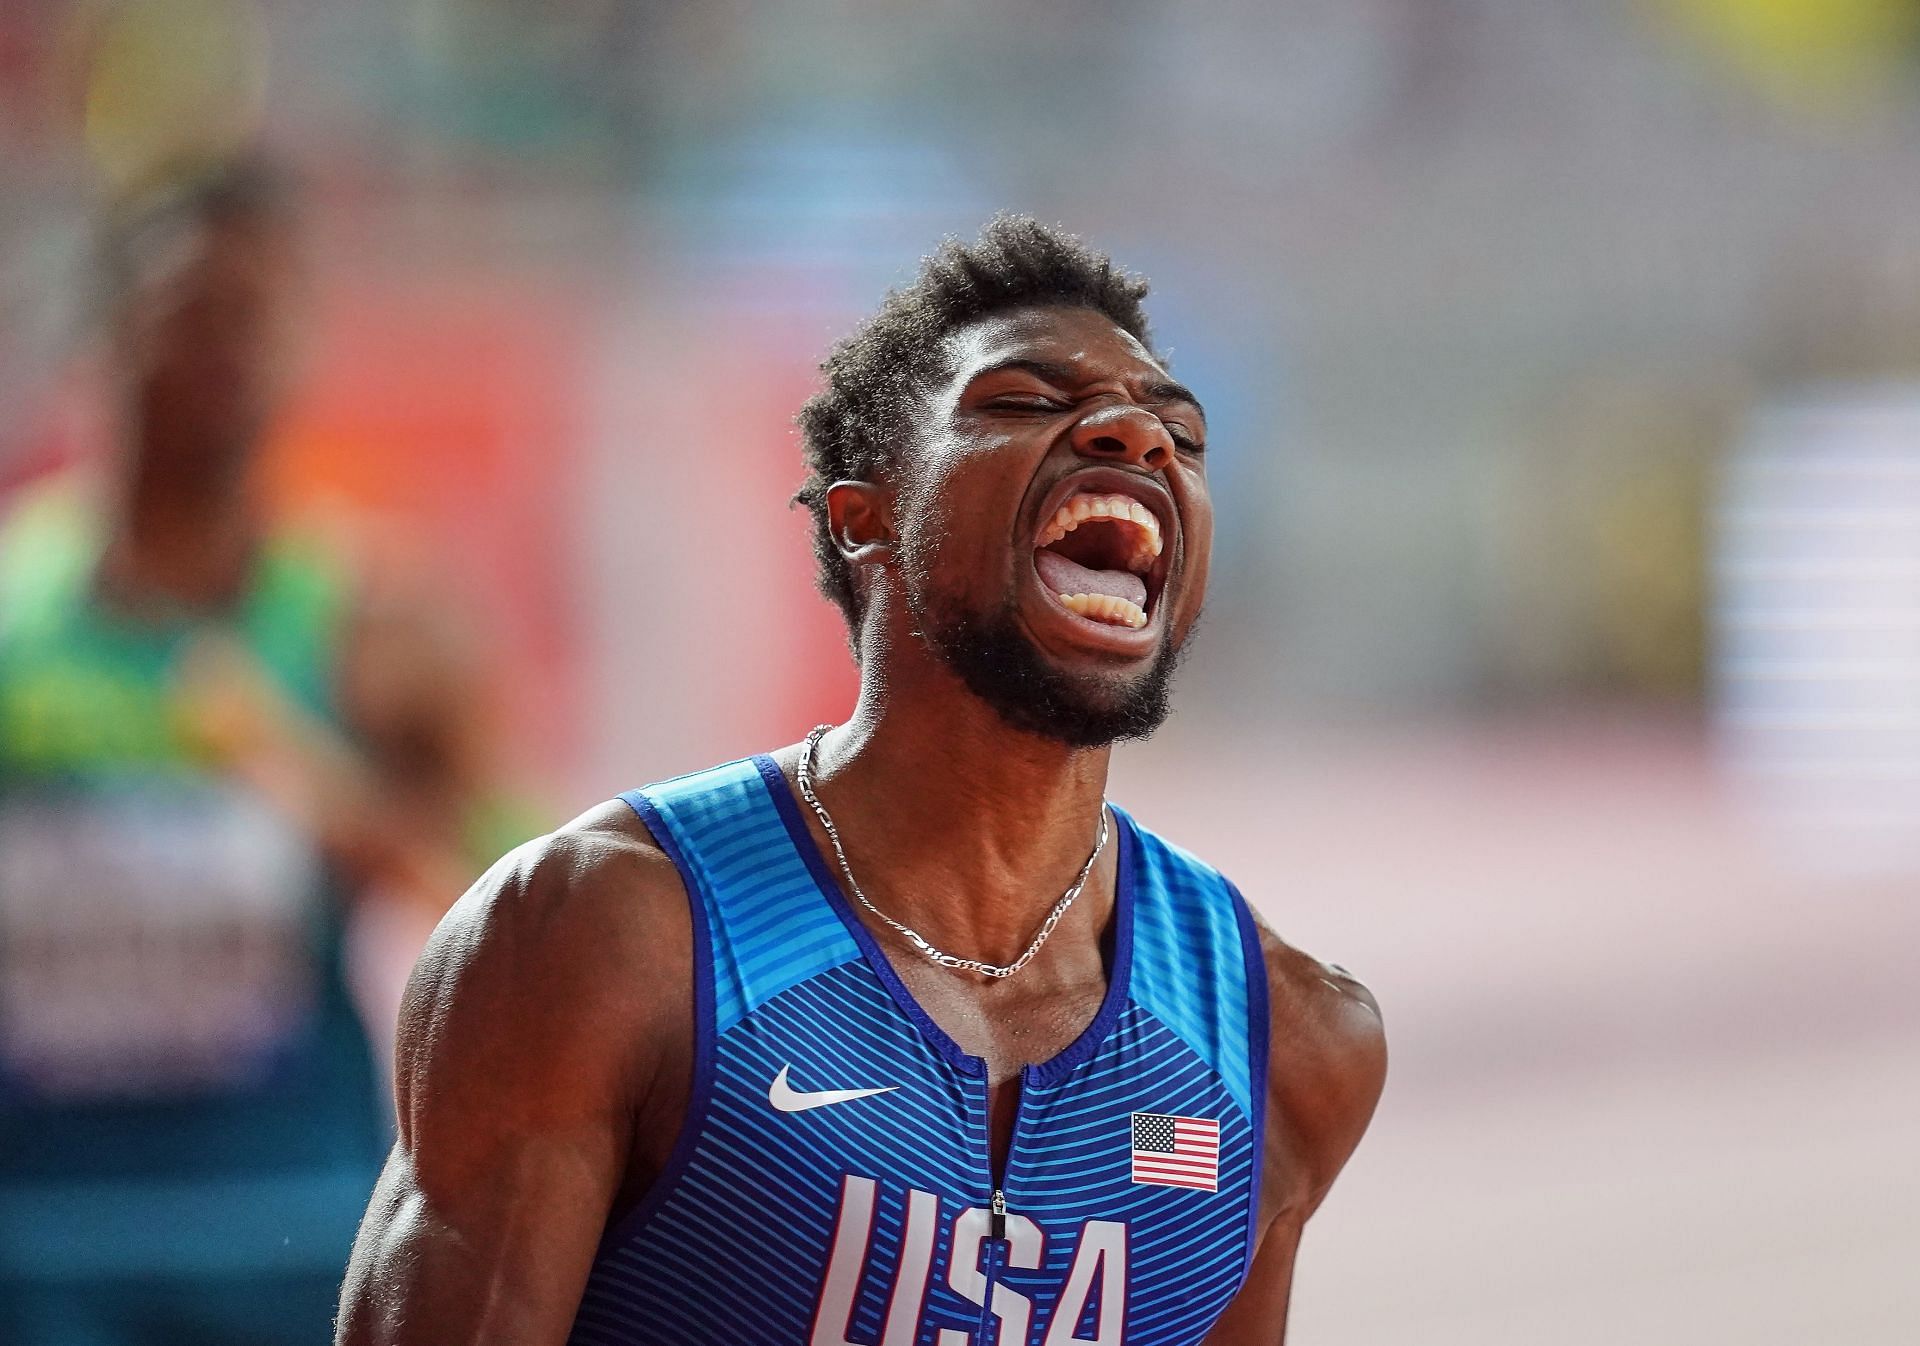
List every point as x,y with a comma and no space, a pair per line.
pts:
1259,1027
705,1041
1120,976
776,782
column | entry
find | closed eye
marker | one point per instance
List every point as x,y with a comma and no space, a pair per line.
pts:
1183,441
1026,402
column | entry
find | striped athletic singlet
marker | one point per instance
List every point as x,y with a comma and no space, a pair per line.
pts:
832,1183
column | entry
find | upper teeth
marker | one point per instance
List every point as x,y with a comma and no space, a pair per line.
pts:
1120,509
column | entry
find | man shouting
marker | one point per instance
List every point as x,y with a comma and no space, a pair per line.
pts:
901,1034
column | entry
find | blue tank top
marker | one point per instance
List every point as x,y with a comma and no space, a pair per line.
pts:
832,1183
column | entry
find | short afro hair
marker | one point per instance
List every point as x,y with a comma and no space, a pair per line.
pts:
853,428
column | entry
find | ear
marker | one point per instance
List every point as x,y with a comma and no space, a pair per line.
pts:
860,519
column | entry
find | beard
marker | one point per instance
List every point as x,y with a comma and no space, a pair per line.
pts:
998,664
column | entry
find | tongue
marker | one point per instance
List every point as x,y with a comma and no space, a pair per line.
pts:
1065,576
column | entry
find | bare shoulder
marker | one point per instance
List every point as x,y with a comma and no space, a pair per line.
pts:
1327,1017
584,897
1327,1062
590,876
567,963
539,1024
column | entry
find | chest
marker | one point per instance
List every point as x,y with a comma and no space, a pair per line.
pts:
1007,1024
910,1196
876,1152
88,704
1006,1027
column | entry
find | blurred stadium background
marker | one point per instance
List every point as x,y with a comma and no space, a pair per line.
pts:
1562,674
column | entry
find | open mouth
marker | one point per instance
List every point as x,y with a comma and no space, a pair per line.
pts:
1098,555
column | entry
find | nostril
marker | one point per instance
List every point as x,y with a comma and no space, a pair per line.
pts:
1108,444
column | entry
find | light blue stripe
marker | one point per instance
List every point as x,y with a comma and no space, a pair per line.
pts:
1189,970
771,928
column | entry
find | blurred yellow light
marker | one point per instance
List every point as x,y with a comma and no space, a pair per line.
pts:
171,82
1829,52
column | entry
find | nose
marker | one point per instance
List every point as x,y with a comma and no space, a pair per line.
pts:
1124,433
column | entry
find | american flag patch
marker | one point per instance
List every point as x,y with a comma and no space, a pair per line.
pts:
1176,1151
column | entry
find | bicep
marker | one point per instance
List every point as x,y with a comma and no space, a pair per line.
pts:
486,1260
1257,1315
516,1083
1326,1067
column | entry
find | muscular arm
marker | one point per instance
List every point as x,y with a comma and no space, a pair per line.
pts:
1327,1062
547,1025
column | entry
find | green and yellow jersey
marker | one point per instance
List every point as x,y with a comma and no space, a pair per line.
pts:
185,1087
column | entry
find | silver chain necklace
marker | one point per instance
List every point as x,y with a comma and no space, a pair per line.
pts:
914,937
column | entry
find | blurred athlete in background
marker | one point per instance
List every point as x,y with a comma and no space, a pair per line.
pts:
901,1032
214,734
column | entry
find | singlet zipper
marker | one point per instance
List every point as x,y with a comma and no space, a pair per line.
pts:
998,1245
997,1198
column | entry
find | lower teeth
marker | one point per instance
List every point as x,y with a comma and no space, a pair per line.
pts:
1106,608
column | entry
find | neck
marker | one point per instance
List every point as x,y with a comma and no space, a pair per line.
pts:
179,538
955,823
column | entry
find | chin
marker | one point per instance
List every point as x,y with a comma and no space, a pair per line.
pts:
1033,691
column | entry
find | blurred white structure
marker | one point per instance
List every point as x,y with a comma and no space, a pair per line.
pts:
1816,684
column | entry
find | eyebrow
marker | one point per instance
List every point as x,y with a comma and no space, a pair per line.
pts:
1065,376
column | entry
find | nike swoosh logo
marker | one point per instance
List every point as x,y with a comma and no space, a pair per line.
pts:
788,1099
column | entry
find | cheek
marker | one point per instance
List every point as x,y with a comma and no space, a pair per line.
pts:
961,510
933,536
1198,545
956,549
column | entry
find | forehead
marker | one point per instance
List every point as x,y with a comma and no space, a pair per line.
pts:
1081,339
